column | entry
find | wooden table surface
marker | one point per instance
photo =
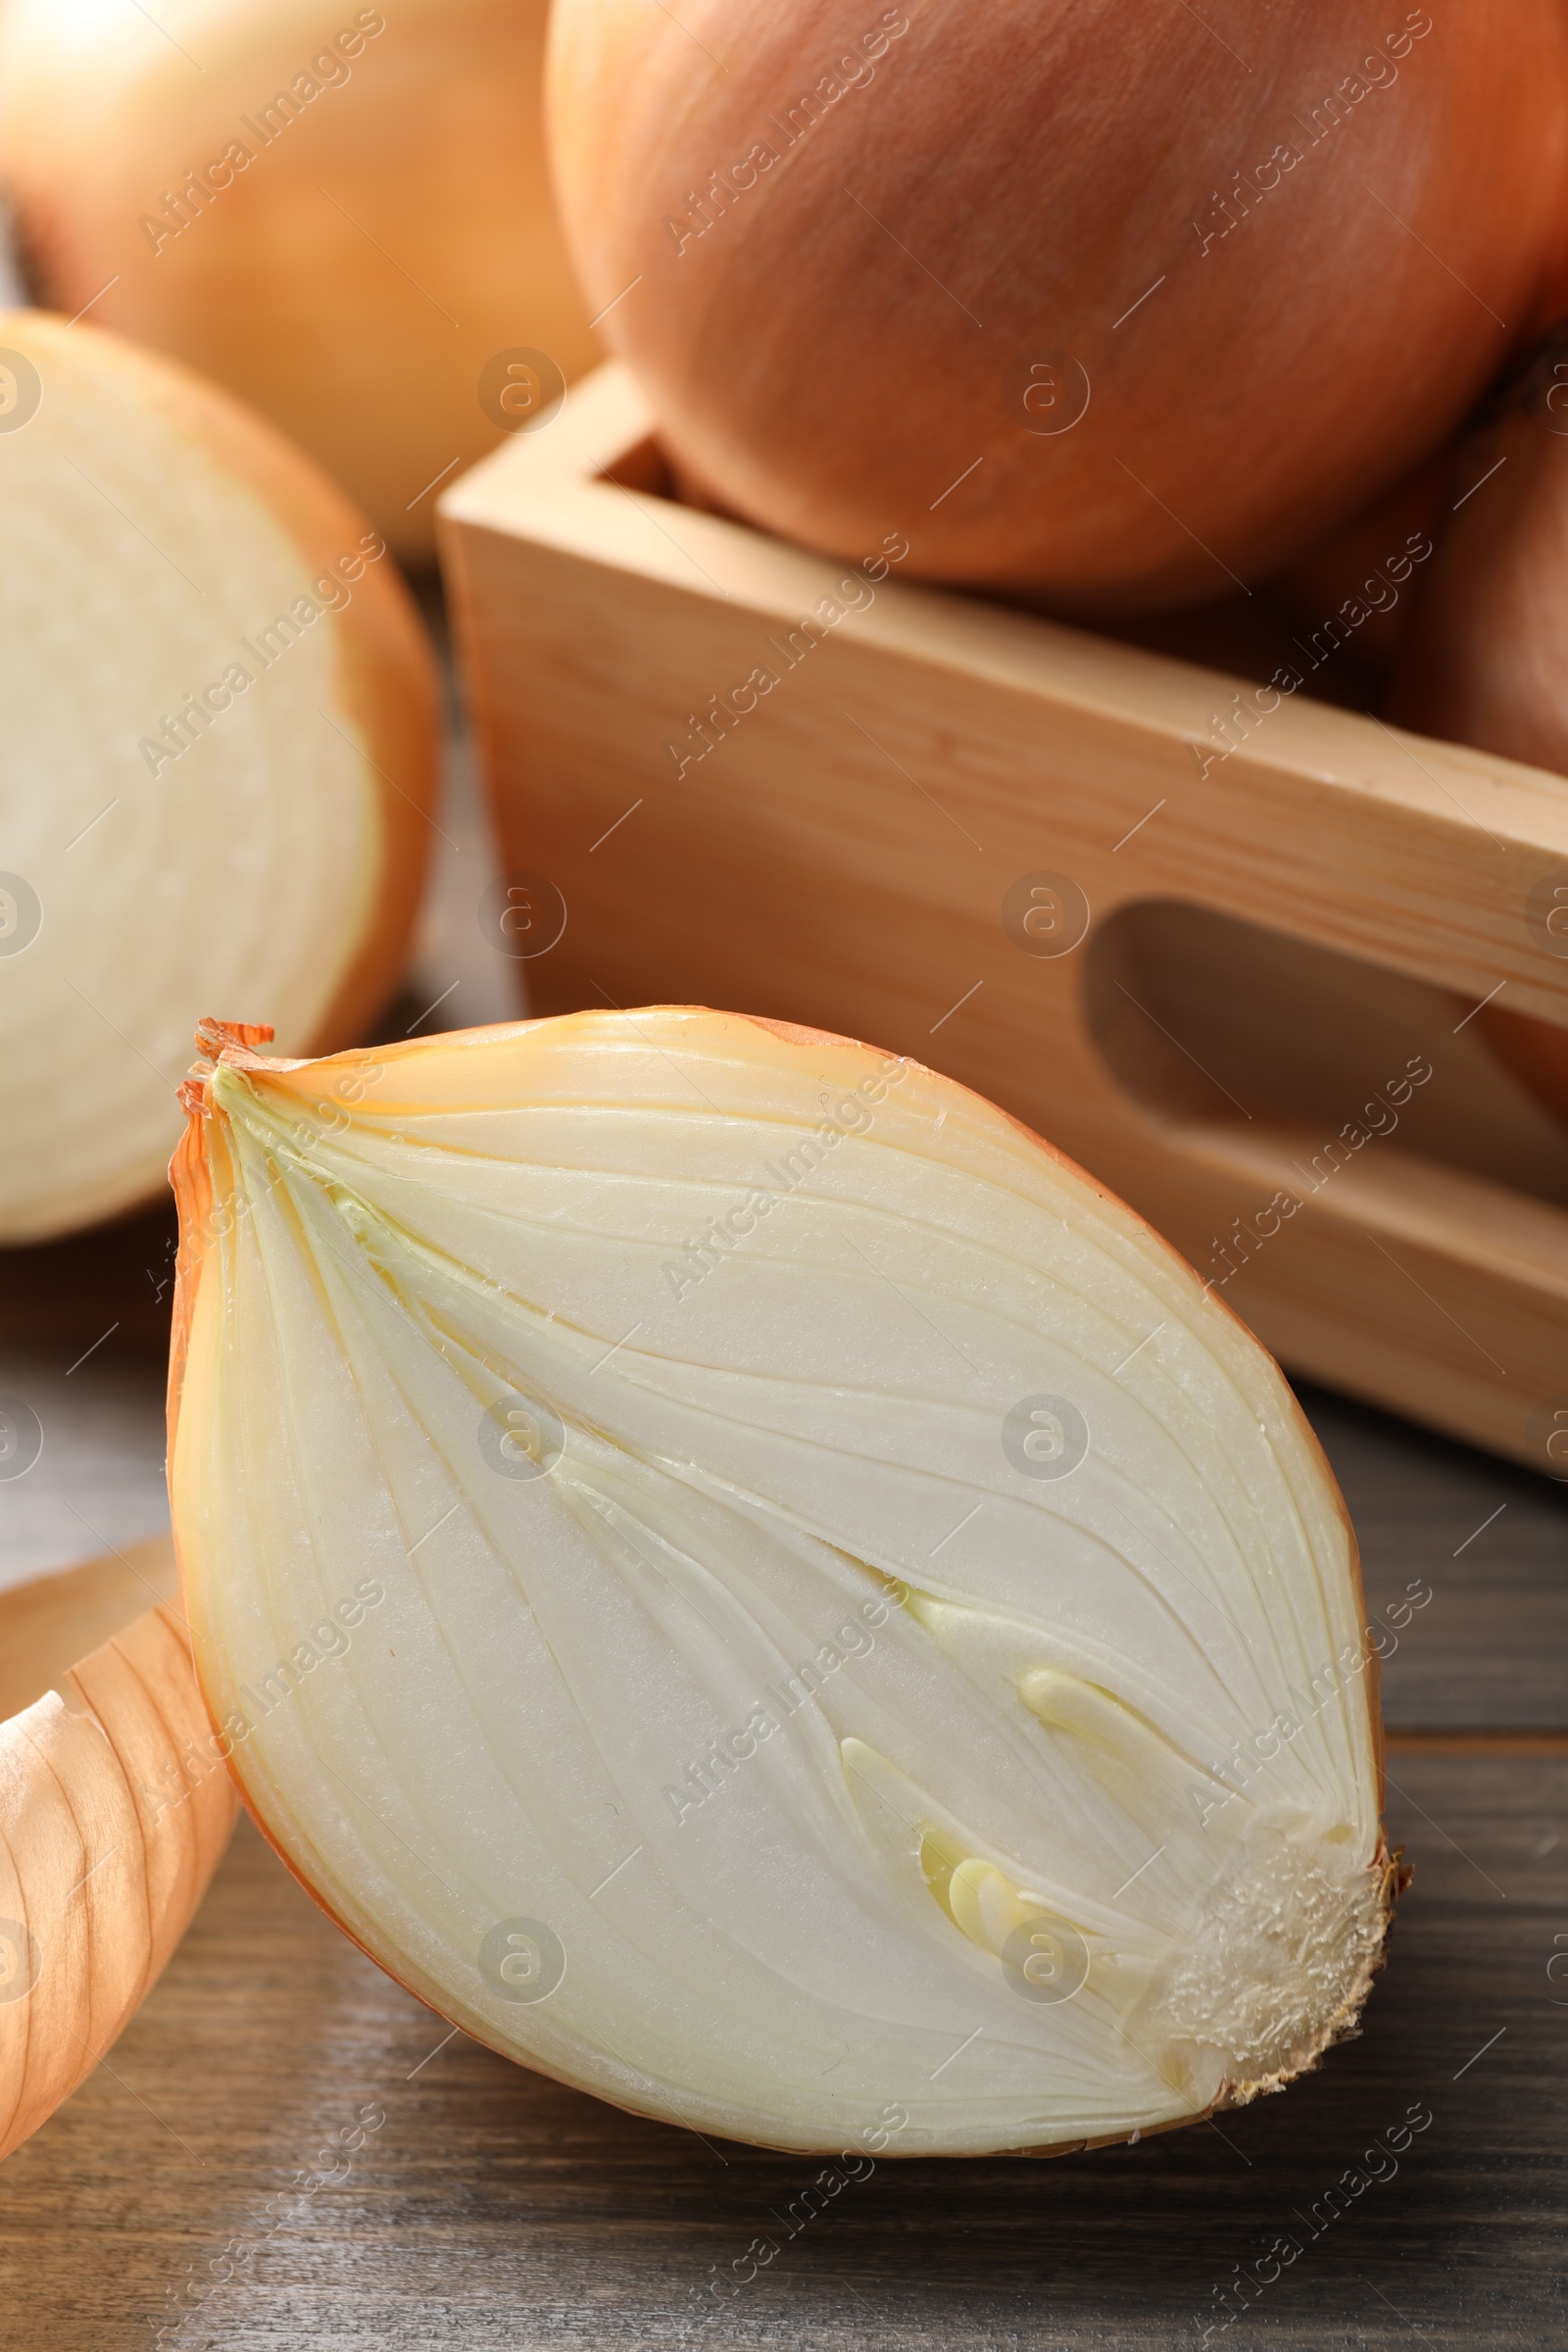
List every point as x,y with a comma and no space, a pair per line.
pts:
178,2191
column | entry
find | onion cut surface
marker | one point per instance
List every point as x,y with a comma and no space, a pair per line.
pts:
852,1637
219,758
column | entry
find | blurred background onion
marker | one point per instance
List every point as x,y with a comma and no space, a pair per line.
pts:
342,216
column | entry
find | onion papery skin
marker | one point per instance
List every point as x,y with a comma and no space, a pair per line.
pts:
114,1810
219,761
750,1508
354,278
1483,660
844,348
1367,577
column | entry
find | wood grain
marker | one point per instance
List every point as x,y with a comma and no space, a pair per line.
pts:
494,2209
841,853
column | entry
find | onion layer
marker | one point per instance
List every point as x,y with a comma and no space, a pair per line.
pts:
754,1587
1087,302
219,752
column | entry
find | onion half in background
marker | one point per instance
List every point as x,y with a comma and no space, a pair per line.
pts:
342,216
1086,302
844,1625
219,757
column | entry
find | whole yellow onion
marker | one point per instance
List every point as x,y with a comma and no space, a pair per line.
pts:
1116,306
344,217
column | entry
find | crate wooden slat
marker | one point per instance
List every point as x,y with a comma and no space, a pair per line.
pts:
843,854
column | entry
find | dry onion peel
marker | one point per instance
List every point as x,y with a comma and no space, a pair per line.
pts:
847,1626
113,1815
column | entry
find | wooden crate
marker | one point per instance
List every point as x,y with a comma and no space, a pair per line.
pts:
1024,854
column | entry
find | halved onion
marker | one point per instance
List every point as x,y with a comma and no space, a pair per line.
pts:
219,751
754,1587
113,1811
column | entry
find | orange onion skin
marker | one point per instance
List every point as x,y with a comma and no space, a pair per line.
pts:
1351,566
114,1810
842,347
1485,660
